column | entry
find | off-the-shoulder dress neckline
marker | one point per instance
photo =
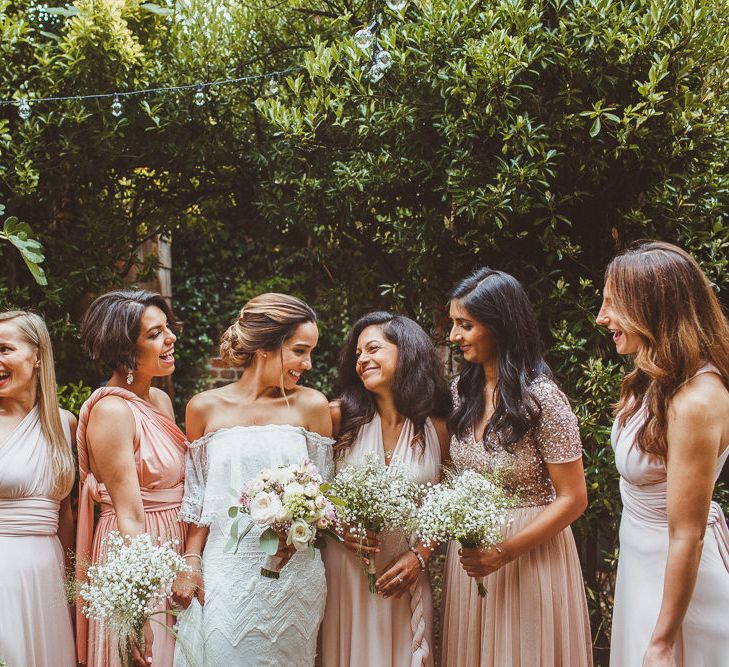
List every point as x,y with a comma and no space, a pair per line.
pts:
262,427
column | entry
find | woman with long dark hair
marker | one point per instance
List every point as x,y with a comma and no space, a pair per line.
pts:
393,401
670,439
511,416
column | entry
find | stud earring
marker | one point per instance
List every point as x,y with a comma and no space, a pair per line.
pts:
130,377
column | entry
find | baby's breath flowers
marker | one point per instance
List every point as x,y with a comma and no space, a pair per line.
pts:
129,585
469,507
289,500
378,498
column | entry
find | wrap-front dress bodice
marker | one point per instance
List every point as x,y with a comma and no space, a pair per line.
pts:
644,541
35,622
159,454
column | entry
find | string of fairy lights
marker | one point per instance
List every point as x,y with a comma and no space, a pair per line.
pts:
367,39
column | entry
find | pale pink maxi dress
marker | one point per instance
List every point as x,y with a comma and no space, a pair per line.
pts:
704,637
35,620
159,449
535,611
362,629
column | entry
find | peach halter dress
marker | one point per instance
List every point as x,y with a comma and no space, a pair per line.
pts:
35,622
159,452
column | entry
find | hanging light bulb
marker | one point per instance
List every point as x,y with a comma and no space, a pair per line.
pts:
199,98
364,38
396,5
116,107
24,109
383,59
376,73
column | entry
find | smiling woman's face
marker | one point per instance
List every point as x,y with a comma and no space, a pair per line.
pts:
610,317
474,339
376,359
155,349
18,361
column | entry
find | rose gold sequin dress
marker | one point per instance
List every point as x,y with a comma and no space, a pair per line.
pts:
535,611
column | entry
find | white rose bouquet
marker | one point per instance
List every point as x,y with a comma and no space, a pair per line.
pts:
469,507
129,586
289,500
377,498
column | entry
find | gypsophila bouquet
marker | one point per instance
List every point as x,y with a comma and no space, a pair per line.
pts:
290,500
130,585
469,507
378,498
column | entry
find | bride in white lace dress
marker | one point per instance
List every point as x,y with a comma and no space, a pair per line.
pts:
235,615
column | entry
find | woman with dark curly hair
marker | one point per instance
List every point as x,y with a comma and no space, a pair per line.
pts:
393,401
511,416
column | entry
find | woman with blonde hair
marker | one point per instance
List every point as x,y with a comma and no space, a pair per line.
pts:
131,453
671,437
36,476
265,419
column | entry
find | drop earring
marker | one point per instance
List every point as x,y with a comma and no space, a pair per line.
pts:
130,377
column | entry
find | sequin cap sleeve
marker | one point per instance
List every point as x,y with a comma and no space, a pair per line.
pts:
557,435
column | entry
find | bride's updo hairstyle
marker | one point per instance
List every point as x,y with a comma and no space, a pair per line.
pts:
663,296
264,323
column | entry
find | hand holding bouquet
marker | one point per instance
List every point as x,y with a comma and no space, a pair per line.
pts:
288,501
375,498
471,508
127,588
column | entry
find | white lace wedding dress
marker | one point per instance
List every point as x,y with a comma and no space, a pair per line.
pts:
248,619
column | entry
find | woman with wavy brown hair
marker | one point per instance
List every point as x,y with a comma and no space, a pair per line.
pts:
670,437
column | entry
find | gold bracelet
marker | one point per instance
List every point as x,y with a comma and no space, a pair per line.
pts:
192,555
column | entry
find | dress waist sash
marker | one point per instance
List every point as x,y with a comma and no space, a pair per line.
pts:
153,500
647,505
35,515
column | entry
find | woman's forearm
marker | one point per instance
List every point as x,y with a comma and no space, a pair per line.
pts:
197,536
130,523
682,565
65,531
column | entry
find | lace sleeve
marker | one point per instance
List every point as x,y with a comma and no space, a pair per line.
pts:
320,452
196,479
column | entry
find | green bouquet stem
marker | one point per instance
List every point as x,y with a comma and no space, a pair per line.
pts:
479,580
371,575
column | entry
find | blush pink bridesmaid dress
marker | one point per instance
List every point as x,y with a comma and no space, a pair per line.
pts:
704,637
35,620
159,451
362,629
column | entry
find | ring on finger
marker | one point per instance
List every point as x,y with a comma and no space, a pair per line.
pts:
398,577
